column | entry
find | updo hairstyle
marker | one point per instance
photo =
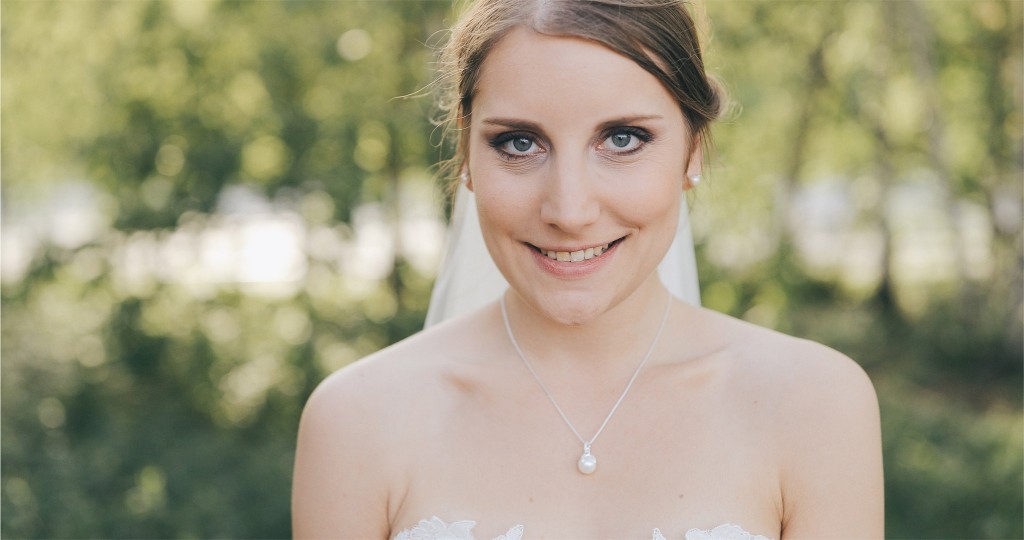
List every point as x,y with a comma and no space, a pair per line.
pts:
659,35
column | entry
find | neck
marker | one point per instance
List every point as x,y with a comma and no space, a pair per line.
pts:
606,346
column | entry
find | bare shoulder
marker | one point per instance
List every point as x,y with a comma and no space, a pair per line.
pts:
393,387
412,370
377,383
822,412
798,375
350,468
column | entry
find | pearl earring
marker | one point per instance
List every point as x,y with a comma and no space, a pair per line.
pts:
464,178
695,180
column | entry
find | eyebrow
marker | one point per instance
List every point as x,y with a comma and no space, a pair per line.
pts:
626,120
512,123
526,125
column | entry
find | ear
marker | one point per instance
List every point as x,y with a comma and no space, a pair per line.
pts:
695,163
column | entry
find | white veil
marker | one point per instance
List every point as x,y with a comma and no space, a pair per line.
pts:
469,279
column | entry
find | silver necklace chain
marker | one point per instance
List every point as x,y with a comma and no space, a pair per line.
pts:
587,463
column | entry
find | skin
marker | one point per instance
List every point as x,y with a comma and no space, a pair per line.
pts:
727,423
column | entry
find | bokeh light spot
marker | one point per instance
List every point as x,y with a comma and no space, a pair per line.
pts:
51,413
354,44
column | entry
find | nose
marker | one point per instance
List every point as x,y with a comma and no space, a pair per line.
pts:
570,198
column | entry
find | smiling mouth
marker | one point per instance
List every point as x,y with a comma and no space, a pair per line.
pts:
576,256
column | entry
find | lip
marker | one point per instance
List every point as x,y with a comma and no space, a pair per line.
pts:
572,248
574,270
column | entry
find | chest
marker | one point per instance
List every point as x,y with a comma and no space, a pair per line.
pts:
505,458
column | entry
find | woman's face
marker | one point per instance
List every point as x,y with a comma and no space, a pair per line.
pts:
577,158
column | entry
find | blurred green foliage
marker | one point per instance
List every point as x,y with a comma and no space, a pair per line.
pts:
141,403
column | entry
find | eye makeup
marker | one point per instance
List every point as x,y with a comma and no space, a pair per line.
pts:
636,139
522,140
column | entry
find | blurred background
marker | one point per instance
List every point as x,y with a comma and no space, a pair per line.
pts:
208,206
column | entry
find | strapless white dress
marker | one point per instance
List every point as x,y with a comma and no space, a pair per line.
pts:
436,529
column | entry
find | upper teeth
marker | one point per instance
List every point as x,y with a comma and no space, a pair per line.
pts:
576,256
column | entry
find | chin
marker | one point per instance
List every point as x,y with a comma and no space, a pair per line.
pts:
573,320
571,310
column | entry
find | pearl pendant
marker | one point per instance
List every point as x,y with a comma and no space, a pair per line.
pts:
587,463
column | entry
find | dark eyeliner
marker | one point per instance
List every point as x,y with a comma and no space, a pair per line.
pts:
642,134
498,141
502,138
639,133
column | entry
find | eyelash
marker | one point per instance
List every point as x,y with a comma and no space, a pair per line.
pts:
642,135
499,141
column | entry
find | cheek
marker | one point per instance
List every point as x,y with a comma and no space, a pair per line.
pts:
649,194
500,206
503,199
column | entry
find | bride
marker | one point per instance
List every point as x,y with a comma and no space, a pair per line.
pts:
586,400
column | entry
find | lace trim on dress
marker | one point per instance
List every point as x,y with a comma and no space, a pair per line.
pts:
436,529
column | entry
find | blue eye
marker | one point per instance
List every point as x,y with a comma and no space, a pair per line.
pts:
512,146
521,144
626,140
620,140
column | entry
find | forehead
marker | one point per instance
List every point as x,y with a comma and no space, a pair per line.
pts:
551,77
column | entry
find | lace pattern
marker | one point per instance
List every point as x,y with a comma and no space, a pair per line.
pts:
436,529
726,531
